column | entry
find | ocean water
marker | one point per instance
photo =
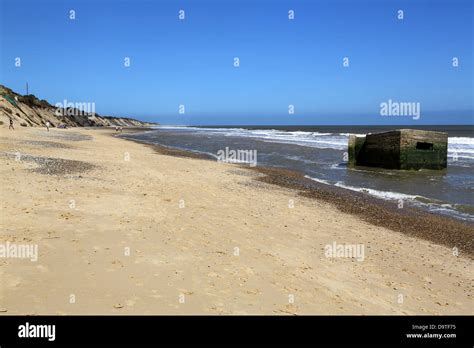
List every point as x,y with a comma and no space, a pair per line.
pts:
319,153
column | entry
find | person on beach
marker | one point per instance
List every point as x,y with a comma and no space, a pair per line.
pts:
116,129
47,125
121,129
11,124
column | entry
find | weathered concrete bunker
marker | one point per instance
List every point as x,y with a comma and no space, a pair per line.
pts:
400,149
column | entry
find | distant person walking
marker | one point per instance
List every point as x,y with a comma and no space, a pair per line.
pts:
47,125
11,124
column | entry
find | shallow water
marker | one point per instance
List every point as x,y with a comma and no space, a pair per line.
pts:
319,153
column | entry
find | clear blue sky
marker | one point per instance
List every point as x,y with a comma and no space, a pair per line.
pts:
283,62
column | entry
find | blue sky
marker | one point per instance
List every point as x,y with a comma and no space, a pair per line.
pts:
282,61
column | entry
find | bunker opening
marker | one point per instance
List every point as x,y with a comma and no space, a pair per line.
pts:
424,146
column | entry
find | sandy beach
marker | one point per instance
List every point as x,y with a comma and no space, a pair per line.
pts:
124,229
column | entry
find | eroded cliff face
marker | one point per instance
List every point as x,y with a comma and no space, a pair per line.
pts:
29,111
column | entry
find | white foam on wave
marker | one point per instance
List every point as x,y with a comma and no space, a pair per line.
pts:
461,140
347,134
322,181
444,208
170,126
463,147
387,195
301,138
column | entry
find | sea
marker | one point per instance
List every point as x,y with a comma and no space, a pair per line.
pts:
320,153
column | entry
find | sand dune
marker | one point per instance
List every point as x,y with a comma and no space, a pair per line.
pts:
30,111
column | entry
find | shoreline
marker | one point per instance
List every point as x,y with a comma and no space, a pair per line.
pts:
412,221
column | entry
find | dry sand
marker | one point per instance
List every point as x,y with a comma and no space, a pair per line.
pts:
204,238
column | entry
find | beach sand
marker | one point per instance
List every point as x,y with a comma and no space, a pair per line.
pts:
123,229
